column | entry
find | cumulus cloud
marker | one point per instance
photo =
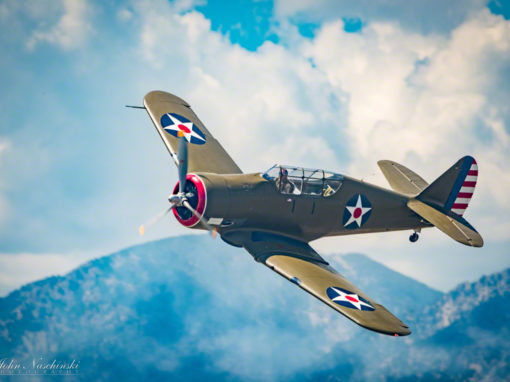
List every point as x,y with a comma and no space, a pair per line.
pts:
266,106
339,101
72,29
424,100
424,16
385,93
345,100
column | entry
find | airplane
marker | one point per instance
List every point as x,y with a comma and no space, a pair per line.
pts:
275,214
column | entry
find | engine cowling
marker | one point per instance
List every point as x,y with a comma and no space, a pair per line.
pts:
196,194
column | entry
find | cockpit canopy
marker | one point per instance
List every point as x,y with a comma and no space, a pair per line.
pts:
303,181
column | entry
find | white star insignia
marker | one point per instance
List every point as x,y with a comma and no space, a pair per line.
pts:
357,212
351,298
187,129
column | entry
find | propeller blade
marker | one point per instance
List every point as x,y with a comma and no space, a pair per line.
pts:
213,230
183,162
154,220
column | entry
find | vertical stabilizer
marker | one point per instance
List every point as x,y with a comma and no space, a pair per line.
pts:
453,190
444,202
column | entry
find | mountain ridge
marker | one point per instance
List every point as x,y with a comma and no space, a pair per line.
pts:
196,308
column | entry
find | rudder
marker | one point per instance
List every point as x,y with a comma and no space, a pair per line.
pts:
453,190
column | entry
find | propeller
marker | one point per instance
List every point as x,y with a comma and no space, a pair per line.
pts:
154,220
182,157
181,198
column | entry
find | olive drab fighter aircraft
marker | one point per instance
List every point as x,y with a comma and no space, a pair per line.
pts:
275,214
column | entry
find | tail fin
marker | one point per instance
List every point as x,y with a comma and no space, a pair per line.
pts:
444,202
453,190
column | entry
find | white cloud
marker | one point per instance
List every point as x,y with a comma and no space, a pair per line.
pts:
340,101
426,101
424,16
422,100
398,95
72,29
402,96
265,107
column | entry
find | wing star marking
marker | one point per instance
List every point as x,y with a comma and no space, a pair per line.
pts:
350,299
176,126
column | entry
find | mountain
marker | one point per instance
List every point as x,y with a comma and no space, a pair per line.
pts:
189,308
472,324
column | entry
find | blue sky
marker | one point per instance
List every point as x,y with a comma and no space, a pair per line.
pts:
326,84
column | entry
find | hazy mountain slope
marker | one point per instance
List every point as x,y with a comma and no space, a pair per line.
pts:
473,323
404,296
195,308
461,302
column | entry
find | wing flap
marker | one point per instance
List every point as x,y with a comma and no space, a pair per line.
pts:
172,116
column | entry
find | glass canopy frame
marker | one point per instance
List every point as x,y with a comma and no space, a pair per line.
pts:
294,180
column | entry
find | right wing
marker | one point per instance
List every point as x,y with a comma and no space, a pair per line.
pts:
300,264
173,117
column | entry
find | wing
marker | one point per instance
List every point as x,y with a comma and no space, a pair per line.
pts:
173,117
300,264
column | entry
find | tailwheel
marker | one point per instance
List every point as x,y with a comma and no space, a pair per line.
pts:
414,237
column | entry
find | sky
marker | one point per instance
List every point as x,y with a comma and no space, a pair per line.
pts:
337,85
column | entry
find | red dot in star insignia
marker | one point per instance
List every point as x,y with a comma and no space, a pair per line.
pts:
184,128
357,213
351,299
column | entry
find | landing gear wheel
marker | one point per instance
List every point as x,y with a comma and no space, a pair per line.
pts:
414,237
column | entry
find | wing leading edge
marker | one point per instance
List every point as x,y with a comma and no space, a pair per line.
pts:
172,117
300,264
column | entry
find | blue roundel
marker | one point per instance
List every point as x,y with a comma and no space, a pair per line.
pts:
357,211
348,299
177,125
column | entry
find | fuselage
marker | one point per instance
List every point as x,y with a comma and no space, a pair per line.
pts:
253,202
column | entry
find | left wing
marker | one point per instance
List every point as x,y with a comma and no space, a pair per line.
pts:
300,264
174,118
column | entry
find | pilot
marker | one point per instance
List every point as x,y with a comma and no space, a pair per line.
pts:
283,180
286,185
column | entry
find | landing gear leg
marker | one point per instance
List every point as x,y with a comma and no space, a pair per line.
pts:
414,237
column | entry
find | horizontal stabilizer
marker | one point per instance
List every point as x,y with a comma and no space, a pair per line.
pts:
454,226
401,179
